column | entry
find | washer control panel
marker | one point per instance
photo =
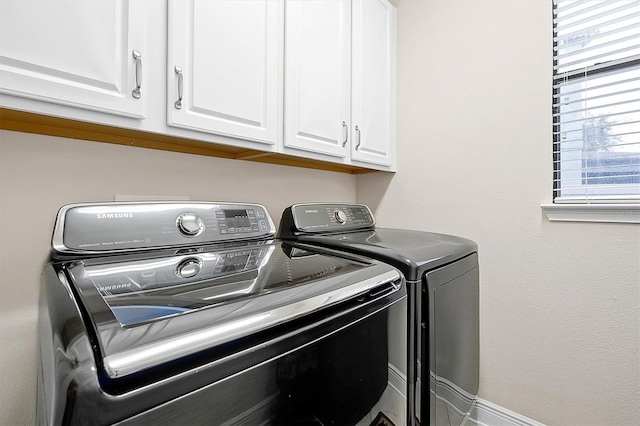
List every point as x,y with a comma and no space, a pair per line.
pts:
88,228
331,217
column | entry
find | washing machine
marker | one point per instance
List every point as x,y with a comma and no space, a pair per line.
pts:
442,316
191,313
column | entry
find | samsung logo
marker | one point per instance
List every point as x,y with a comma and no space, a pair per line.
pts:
114,215
311,211
115,287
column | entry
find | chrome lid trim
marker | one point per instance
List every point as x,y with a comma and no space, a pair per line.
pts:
156,353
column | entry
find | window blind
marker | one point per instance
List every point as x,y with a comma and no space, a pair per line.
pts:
596,101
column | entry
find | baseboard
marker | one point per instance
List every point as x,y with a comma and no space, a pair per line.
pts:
473,410
398,380
485,413
458,401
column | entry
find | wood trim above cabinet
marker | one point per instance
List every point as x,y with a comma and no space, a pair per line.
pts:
53,126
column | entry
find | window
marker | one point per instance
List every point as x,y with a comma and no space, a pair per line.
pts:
596,101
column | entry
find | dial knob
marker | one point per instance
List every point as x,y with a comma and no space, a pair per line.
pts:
188,268
340,216
190,224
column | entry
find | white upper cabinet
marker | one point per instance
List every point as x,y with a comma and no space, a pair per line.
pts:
340,80
87,54
317,76
225,67
373,83
307,78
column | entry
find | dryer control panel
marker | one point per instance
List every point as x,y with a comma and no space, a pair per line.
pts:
326,217
115,227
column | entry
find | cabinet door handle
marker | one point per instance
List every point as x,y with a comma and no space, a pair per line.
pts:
346,133
178,71
138,58
358,135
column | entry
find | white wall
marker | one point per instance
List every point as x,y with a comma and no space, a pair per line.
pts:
39,174
560,324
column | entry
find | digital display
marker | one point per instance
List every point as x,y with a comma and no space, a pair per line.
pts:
235,263
359,216
237,219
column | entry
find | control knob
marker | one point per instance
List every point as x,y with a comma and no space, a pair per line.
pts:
188,268
340,216
190,224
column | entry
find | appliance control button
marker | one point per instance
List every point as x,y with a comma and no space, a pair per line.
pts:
190,224
188,268
340,216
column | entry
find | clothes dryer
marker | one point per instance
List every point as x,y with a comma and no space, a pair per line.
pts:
442,278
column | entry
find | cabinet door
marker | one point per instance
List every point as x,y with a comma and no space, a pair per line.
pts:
225,67
317,75
373,94
77,53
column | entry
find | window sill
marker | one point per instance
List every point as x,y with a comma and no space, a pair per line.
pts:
608,213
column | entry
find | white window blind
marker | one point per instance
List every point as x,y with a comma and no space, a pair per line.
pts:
596,101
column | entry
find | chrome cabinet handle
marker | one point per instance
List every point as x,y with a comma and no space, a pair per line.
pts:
346,133
178,71
359,136
138,58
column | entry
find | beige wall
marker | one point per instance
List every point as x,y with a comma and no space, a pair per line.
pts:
560,327
560,324
38,174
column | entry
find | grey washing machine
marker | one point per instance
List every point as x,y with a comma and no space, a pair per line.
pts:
442,278
191,313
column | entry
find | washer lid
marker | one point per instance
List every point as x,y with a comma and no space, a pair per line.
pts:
148,310
412,252
351,228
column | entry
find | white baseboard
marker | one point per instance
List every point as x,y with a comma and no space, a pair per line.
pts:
481,411
397,380
485,413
